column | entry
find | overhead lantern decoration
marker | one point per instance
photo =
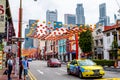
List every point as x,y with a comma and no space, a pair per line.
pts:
37,20
40,24
94,26
57,29
54,24
80,26
33,25
44,22
49,22
71,25
65,25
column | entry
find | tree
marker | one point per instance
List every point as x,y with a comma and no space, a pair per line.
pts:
86,41
114,49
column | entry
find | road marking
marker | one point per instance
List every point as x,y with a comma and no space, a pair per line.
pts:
63,70
109,79
57,73
40,72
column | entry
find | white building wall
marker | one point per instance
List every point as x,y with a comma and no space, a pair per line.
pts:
107,43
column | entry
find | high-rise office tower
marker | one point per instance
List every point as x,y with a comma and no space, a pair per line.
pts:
80,14
70,19
103,18
51,16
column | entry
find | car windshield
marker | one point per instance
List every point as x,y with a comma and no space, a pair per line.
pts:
86,63
54,60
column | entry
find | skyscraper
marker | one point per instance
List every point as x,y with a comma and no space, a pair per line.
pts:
80,14
103,18
51,16
70,19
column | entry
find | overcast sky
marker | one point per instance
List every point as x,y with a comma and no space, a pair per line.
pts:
37,9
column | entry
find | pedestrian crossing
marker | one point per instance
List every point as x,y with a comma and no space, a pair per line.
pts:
109,79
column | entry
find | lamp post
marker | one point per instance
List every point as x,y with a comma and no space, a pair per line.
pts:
20,28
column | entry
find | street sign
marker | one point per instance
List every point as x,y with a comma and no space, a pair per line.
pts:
17,39
21,39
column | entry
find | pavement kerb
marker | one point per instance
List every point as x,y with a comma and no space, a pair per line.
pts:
31,76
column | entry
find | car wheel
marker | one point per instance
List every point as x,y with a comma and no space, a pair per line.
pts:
100,77
80,75
68,71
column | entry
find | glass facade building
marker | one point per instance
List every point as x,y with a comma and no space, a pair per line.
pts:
80,14
70,19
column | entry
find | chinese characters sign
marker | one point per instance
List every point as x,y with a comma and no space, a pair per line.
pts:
2,15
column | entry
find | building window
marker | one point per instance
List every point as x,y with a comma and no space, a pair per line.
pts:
108,34
113,32
101,41
96,41
108,40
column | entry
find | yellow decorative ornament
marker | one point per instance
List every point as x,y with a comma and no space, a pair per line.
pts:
65,25
54,24
71,25
84,30
49,22
37,20
43,21
80,26
33,25
94,25
30,33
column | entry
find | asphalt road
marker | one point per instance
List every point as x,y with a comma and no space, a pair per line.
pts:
40,70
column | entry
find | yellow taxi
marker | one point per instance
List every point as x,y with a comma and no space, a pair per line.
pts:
85,68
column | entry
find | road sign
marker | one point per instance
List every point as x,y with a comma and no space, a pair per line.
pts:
17,39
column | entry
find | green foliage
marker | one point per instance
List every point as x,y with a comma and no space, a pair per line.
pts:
86,41
114,48
114,44
1,47
104,62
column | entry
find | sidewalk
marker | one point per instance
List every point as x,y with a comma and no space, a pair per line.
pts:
112,69
4,77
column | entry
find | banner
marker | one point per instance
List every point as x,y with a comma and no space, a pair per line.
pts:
2,15
1,59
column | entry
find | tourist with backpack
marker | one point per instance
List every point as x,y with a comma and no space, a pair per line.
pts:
25,67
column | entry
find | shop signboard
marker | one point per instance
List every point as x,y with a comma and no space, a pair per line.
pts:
1,59
2,15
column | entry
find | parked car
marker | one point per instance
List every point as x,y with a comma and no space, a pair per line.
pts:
85,68
53,62
29,59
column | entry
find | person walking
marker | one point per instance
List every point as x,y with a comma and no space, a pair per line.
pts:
25,67
20,68
9,67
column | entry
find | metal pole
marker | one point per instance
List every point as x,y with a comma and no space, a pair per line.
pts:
20,28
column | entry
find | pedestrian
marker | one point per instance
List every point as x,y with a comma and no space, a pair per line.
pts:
9,67
25,67
20,68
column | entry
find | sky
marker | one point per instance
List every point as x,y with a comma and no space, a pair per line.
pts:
37,9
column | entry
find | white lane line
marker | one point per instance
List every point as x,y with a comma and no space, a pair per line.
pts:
63,70
40,72
57,73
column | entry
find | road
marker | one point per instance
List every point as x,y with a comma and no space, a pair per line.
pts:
40,70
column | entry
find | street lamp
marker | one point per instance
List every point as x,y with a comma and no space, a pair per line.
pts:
20,28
